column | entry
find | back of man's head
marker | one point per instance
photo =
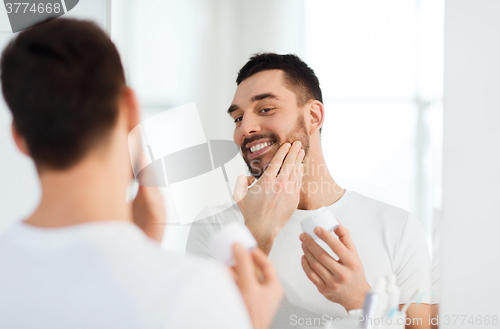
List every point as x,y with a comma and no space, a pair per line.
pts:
299,77
62,80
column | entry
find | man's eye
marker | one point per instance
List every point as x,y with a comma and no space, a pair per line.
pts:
238,119
265,110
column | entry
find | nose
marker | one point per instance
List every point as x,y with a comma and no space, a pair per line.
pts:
249,126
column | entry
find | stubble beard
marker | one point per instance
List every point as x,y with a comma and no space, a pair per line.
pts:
298,133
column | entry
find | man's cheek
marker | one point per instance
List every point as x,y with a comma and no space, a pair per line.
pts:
237,139
266,160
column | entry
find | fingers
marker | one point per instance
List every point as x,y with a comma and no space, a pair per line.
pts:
240,188
243,264
299,158
268,271
300,174
244,271
291,157
337,246
297,167
311,274
250,180
275,164
318,267
233,273
345,237
321,255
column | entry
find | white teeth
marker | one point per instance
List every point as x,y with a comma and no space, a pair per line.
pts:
259,147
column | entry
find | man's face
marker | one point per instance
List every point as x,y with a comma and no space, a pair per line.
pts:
266,116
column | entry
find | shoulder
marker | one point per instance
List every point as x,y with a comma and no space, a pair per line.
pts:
5,236
187,291
197,276
143,264
223,214
375,208
210,221
208,289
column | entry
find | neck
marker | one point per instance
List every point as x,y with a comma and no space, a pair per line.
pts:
93,190
318,186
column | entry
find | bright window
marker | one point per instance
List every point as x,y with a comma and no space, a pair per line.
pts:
380,68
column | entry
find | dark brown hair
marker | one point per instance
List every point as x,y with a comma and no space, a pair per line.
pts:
62,80
300,78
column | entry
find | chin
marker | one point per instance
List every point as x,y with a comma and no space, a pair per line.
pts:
258,169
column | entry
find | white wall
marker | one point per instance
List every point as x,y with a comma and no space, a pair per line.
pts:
178,52
471,180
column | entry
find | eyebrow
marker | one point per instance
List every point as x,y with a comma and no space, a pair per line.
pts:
264,96
255,98
232,108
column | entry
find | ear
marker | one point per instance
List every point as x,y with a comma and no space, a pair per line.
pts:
132,107
20,140
317,116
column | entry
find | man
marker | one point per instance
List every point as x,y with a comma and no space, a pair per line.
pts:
279,100
79,261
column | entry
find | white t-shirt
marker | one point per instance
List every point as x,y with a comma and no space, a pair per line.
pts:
389,240
109,275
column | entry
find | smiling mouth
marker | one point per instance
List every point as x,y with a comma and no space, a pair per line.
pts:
259,149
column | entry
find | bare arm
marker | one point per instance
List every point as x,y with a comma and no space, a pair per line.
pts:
434,314
418,315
